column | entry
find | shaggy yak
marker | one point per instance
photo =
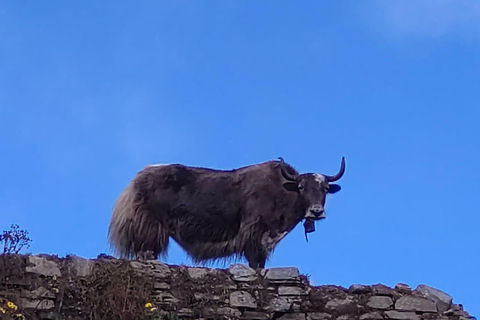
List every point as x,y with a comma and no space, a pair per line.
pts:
215,214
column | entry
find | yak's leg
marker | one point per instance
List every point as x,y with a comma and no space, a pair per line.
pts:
153,249
146,255
256,257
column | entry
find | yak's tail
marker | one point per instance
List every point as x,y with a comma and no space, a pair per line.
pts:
134,231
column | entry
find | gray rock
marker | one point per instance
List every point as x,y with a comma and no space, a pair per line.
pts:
47,315
225,287
41,292
184,312
241,272
383,290
161,286
372,316
37,304
197,273
160,270
293,299
296,306
166,298
318,316
81,266
397,315
291,291
43,267
336,303
205,297
441,299
138,264
358,288
347,317
403,288
283,275
154,267
457,311
242,299
292,316
228,312
21,282
409,303
380,302
280,305
254,315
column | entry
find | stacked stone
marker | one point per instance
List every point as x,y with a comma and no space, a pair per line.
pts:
238,292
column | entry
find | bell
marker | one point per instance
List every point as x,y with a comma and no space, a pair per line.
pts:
309,226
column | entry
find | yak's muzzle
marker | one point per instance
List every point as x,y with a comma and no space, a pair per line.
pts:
315,212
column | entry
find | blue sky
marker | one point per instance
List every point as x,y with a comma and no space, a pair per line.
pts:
90,92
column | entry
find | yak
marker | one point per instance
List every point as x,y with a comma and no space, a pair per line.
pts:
217,214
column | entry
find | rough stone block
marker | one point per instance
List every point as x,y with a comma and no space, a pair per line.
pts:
383,290
41,292
358,288
228,312
166,298
434,316
283,275
409,303
47,315
197,273
185,312
403,288
241,272
81,266
441,299
205,297
339,303
160,270
292,316
242,299
318,316
253,315
380,302
37,304
161,286
293,299
280,305
372,316
42,266
138,264
397,315
291,291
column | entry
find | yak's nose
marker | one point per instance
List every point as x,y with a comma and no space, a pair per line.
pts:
317,211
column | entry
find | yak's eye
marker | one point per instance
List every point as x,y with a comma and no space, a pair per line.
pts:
300,188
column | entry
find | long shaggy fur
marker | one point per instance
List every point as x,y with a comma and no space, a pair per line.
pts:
133,230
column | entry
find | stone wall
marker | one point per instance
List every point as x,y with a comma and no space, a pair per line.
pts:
48,287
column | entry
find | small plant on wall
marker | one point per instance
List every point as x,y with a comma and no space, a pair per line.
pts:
14,240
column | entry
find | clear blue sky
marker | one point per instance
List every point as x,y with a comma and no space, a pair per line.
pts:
92,91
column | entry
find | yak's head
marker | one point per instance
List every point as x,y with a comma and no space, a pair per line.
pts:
313,188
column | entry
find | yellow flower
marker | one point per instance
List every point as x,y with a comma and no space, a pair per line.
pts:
11,305
153,309
19,315
148,305
2,310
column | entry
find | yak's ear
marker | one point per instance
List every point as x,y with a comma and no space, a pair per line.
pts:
334,188
291,186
